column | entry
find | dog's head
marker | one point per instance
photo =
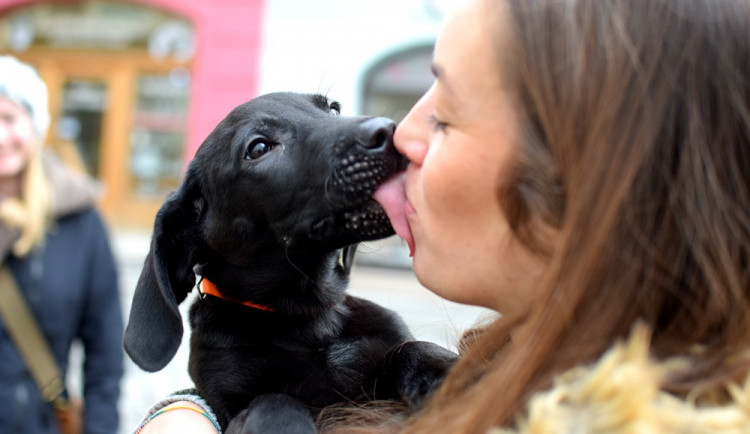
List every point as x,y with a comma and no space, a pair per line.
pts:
283,175
289,167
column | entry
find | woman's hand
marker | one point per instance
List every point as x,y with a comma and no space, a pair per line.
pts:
179,417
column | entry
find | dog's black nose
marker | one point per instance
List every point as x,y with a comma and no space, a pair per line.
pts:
376,133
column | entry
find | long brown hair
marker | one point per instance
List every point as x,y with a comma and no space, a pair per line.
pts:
636,148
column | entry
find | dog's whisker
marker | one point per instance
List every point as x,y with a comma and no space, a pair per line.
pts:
287,243
333,183
327,190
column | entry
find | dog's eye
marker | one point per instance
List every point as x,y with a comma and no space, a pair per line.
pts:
257,148
335,108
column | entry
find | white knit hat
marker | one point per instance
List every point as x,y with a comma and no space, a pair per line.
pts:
21,83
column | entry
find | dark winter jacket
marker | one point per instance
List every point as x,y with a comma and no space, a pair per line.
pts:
71,286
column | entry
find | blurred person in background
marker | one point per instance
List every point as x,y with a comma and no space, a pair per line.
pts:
582,167
54,242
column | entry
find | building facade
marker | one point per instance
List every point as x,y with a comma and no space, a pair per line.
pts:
135,86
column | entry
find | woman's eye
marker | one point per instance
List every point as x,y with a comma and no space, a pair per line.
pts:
8,119
257,149
437,124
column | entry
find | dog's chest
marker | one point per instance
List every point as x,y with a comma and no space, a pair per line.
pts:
319,361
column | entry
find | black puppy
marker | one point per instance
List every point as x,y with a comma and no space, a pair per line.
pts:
273,197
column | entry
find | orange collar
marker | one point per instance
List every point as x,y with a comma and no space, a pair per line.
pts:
210,288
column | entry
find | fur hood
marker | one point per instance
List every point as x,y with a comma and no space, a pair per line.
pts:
72,192
620,394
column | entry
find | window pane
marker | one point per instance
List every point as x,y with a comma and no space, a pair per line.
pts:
158,134
79,127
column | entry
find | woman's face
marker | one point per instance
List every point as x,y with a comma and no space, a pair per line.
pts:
461,139
17,138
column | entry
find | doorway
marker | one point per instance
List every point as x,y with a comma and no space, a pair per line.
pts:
78,133
118,99
121,120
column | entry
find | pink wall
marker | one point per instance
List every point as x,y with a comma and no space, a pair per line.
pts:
226,64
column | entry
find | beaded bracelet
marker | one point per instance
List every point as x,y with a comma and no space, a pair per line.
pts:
178,407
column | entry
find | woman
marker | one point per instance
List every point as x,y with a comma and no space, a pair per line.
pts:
627,126
54,243
582,167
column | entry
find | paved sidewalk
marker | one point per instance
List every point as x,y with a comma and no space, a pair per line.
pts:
429,317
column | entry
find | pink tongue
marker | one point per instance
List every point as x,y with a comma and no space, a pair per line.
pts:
392,197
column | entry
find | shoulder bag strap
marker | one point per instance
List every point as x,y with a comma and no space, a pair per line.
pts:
25,332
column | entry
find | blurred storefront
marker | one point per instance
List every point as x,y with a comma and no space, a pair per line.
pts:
393,84
132,94
136,85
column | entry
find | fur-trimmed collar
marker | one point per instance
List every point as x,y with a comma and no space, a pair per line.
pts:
620,394
71,192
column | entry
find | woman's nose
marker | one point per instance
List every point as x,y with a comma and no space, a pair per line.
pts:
413,133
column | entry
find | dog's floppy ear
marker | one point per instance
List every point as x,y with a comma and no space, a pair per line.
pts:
154,330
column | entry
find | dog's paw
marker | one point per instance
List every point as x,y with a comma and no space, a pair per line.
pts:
272,414
417,368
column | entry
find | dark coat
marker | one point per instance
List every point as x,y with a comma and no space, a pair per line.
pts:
71,286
